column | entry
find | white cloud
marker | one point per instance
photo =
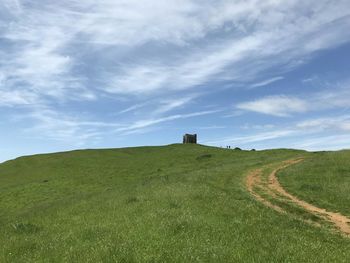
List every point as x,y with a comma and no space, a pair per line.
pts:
37,62
72,129
324,142
266,82
133,108
17,97
50,42
326,133
276,30
338,123
171,104
257,126
145,123
259,137
161,106
12,6
338,97
213,127
281,106
77,130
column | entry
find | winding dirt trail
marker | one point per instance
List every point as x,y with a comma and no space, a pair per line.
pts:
273,189
253,180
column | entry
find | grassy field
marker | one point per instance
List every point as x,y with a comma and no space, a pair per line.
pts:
178,203
323,180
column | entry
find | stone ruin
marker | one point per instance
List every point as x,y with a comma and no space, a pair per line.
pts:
190,138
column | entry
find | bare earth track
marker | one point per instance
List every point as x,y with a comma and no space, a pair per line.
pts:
273,189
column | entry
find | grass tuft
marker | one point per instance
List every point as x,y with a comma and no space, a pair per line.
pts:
25,228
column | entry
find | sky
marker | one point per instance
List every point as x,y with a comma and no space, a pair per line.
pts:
117,73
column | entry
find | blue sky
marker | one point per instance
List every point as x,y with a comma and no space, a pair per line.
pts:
115,73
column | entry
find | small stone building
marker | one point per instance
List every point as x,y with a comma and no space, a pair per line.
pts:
190,138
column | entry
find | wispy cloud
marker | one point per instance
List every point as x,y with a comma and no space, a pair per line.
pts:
78,131
46,53
17,97
280,106
63,127
338,123
213,127
326,133
259,137
133,108
141,124
266,82
284,106
242,57
171,104
12,6
158,107
322,142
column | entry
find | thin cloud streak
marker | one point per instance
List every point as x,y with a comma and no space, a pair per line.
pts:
266,82
141,124
264,136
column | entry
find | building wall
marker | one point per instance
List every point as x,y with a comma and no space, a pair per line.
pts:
190,138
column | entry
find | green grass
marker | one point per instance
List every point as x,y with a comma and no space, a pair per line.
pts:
323,180
179,203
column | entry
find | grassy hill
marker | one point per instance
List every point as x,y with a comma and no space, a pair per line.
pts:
178,203
323,180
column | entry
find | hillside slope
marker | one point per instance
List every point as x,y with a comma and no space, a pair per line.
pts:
178,203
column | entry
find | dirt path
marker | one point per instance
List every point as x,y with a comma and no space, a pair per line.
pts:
253,180
275,191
